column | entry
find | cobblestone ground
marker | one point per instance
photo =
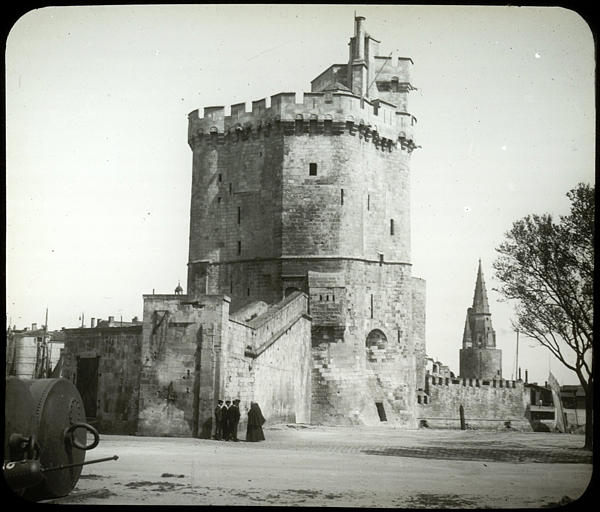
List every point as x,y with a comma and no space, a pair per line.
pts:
341,466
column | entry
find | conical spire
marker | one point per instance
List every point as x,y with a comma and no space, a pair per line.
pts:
480,300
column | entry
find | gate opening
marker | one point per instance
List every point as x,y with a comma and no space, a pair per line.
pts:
381,411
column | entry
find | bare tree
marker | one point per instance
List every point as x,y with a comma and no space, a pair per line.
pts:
547,268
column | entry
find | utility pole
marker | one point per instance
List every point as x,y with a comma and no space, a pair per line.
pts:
517,357
46,355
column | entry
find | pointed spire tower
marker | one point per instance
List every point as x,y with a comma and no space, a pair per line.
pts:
479,357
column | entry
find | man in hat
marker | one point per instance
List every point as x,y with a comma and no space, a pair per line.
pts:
225,420
233,418
219,420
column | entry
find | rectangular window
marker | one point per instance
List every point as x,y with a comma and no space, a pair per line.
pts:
218,200
380,259
220,178
312,169
391,226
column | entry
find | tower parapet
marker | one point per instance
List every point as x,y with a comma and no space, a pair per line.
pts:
343,110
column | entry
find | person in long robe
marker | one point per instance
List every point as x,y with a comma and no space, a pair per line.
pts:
225,421
219,421
254,432
233,418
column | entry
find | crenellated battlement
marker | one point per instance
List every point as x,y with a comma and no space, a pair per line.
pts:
434,380
310,112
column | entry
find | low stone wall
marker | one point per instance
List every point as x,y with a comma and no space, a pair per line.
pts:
486,404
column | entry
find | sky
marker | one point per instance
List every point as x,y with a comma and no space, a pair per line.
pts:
98,170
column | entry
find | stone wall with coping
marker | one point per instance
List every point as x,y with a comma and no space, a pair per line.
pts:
486,403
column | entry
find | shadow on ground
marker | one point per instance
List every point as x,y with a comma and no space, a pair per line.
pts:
486,454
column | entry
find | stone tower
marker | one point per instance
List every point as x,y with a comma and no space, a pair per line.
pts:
479,357
312,192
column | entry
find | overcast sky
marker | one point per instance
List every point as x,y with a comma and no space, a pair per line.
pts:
99,170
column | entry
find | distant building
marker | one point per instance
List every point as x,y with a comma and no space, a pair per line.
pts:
573,402
479,357
32,353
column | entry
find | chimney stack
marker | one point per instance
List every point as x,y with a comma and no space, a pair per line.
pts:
111,319
359,34
519,373
93,323
526,376
34,327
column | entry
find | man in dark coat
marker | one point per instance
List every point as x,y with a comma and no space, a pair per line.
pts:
225,420
219,420
233,418
255,422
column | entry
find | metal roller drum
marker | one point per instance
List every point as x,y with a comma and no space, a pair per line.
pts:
59,426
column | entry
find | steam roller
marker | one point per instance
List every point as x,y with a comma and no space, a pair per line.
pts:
45,438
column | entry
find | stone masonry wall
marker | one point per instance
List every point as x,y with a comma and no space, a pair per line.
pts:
194,354
483,363
269,362
181,346
118,351
348,377
418,327
486,404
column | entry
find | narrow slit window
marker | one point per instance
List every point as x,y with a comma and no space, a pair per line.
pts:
371,305
380,259
391,226
239,214
368,202
231,286
220,178
230,189
248,292
239,247
342,196
312,169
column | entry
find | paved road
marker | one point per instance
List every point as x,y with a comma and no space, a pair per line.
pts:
337,466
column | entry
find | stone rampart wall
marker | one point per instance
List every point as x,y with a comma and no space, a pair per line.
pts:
486,404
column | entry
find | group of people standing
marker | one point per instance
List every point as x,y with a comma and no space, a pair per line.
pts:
227,418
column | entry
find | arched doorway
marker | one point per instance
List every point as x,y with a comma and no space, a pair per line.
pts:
376,339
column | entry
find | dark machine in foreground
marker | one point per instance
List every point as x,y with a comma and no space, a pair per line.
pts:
45,437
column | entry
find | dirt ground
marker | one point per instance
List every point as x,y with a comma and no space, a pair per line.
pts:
342,467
